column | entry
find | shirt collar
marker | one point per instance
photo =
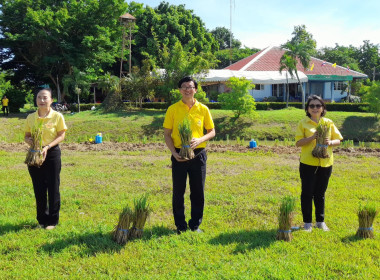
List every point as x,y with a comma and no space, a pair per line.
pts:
49,116
196,103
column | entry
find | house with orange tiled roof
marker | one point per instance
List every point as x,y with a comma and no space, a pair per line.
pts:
328,80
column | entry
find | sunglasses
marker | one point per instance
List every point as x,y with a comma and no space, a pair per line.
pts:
312,106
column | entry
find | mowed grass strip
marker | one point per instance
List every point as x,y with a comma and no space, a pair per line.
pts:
243,193
146,125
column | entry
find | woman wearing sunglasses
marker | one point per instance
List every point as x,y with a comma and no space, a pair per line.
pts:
315,172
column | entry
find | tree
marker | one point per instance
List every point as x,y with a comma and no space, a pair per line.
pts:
289,64
111,85
140,84
43,40
222,36
373,98
179,63
238,99
224,56
341,55
300,48
167,25
369,58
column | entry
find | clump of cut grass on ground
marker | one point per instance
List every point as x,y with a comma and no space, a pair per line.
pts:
122,231
140,215
366,215
285,218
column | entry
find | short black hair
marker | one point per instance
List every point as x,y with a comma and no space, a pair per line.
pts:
315,97
47,89
187,79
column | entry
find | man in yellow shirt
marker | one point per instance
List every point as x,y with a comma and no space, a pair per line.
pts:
5,102
200,119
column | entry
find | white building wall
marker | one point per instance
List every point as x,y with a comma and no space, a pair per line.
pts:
259,95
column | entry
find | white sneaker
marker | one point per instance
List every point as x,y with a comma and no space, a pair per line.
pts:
308,227
50,227
322,225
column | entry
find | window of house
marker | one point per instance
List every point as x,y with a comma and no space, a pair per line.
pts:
259,87
339,86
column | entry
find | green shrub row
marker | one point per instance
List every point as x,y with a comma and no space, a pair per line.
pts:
83,107
344,107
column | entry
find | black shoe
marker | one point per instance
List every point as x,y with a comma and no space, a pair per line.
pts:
179,231
198,230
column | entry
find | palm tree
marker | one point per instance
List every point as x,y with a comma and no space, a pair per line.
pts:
299,49
290,65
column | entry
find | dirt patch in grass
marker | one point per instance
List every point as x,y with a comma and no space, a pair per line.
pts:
211,148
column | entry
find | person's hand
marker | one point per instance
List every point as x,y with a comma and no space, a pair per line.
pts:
44,152
314,136
195,142
178,157
328,142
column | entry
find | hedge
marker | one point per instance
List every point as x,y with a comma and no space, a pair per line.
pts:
344,107
83,107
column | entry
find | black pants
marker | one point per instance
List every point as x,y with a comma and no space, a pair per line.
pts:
314,181
46,181
6,110
196,169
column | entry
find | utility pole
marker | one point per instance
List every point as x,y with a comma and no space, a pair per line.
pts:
231,31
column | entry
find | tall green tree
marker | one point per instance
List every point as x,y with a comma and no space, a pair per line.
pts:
289,64
300,48
222,36
369,58
43,40
238,99
166,25
179,63
341,55
373,98
224,56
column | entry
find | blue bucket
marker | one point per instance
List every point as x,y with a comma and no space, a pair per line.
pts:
98,138
252,144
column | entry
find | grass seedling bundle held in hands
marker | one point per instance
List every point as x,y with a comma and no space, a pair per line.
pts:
285,218
122,231
186,135
141,214
320,150
366,217
34,156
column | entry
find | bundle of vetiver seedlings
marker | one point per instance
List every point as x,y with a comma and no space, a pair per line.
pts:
122,231
366,217
285,218
34,155
320,149
186,135
140,216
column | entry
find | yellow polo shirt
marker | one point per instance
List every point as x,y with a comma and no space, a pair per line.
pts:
5,101
307,128
199,115
52,124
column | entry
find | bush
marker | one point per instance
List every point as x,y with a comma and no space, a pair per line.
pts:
16,98
83,107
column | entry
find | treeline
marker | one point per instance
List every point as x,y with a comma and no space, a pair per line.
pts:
75,48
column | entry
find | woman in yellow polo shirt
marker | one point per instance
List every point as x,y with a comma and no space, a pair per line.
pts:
46,179
315,172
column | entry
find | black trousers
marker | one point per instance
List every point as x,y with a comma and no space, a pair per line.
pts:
315,180
46,180
6,110
196,169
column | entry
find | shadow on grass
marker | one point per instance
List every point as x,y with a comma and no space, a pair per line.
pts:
351,238
231,126
5,228
91,244
246,240
155,126
360,128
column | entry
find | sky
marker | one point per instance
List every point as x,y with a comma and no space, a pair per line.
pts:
259,24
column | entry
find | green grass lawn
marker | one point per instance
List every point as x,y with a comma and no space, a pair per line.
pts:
243,193
146,125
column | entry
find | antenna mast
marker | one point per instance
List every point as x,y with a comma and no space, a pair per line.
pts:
231,32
